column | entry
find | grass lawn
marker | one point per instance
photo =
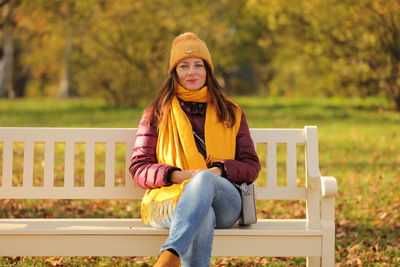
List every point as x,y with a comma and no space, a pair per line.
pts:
359,144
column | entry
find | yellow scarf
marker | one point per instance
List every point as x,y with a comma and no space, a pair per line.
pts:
176,146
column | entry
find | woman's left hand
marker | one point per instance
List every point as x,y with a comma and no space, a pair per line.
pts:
215,170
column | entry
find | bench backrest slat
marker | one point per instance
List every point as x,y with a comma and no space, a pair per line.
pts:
69,164
291,164
272,165
110,164
7,164
128,155
89,164
110,189
48,164
28,163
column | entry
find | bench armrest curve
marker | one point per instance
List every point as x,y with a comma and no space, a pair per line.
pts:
329,186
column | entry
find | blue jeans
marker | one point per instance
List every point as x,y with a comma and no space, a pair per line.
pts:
208,202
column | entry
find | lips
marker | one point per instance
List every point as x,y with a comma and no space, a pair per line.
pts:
192,80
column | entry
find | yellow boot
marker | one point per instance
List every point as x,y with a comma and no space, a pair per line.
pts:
167,259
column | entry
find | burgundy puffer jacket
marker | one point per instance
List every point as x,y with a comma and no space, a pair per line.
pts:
147,173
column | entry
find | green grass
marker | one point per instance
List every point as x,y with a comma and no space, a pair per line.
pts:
359,144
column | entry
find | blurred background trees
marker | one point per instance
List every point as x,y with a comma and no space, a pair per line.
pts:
119,50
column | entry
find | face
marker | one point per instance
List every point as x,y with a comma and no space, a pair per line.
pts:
191,73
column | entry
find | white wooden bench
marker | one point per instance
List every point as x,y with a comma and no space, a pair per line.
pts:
312,237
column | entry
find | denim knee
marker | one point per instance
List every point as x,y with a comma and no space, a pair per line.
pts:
203,179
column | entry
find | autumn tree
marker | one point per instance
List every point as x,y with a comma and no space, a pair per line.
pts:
119,50
385,25
342,48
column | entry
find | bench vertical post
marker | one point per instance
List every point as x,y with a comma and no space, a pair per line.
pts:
312,178
313,186
329,191
328,229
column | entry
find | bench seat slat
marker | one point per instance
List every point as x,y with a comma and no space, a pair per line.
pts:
136,227
135,222
52,237
149,245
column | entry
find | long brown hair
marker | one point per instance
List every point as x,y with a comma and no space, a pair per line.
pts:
224,107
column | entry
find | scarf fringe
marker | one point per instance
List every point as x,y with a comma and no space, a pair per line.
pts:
158,211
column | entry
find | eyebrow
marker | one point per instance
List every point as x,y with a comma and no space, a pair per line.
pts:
197,61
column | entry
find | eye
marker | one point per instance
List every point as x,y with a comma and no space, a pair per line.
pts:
199,65
182,66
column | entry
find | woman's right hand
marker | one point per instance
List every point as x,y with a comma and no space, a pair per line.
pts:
178,177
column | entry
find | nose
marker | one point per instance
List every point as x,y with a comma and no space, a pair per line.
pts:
191,70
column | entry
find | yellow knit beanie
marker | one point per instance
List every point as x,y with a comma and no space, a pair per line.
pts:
188,45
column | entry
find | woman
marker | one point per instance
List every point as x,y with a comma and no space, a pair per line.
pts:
192,142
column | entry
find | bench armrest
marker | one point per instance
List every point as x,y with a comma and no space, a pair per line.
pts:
329,186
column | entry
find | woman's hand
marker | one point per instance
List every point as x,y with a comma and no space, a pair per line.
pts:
178,177
216,170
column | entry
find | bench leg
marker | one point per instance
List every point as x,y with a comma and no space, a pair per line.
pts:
313,261
328,248
328,228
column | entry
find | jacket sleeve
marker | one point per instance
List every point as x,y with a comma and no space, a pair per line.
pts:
144,168
246,165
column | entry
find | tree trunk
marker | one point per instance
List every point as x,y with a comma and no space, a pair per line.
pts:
394,81
6,65
3,88
65,89
397,102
